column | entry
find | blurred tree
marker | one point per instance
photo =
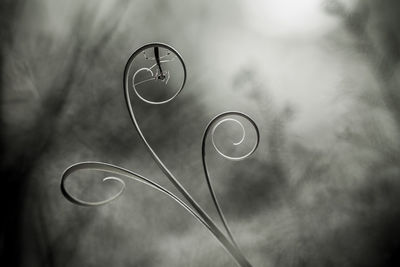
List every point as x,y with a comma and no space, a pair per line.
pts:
23,147
57,88
374,27
10,245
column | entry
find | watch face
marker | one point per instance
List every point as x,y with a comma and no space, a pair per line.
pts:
156,72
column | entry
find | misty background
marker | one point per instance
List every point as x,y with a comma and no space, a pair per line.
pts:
320,78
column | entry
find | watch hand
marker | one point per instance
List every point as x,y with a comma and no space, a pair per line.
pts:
157,56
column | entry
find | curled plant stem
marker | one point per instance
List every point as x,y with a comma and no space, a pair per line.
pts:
217,121
192,207
232,249
101,166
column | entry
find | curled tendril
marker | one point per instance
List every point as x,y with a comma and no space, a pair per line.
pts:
160,75
192,207
228,246
81,202
234,143
216,122
100,166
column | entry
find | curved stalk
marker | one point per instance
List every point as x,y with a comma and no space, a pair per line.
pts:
232,249
100,166
203,156
192,207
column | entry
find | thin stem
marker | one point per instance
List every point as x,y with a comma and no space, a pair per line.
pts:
100,166
203,156
232,249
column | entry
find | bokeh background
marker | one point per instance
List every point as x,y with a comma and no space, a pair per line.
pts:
321,79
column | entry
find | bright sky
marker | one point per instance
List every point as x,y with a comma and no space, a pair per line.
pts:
285,42
288,17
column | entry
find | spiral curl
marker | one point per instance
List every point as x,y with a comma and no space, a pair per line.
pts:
154,75
192,207
238,142
216,122
100,166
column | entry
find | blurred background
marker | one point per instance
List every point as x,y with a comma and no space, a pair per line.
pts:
320,78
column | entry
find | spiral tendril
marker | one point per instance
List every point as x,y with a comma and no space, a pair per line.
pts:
217,121
100,166
163,76
190,205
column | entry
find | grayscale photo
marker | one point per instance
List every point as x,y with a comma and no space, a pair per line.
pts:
147,133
